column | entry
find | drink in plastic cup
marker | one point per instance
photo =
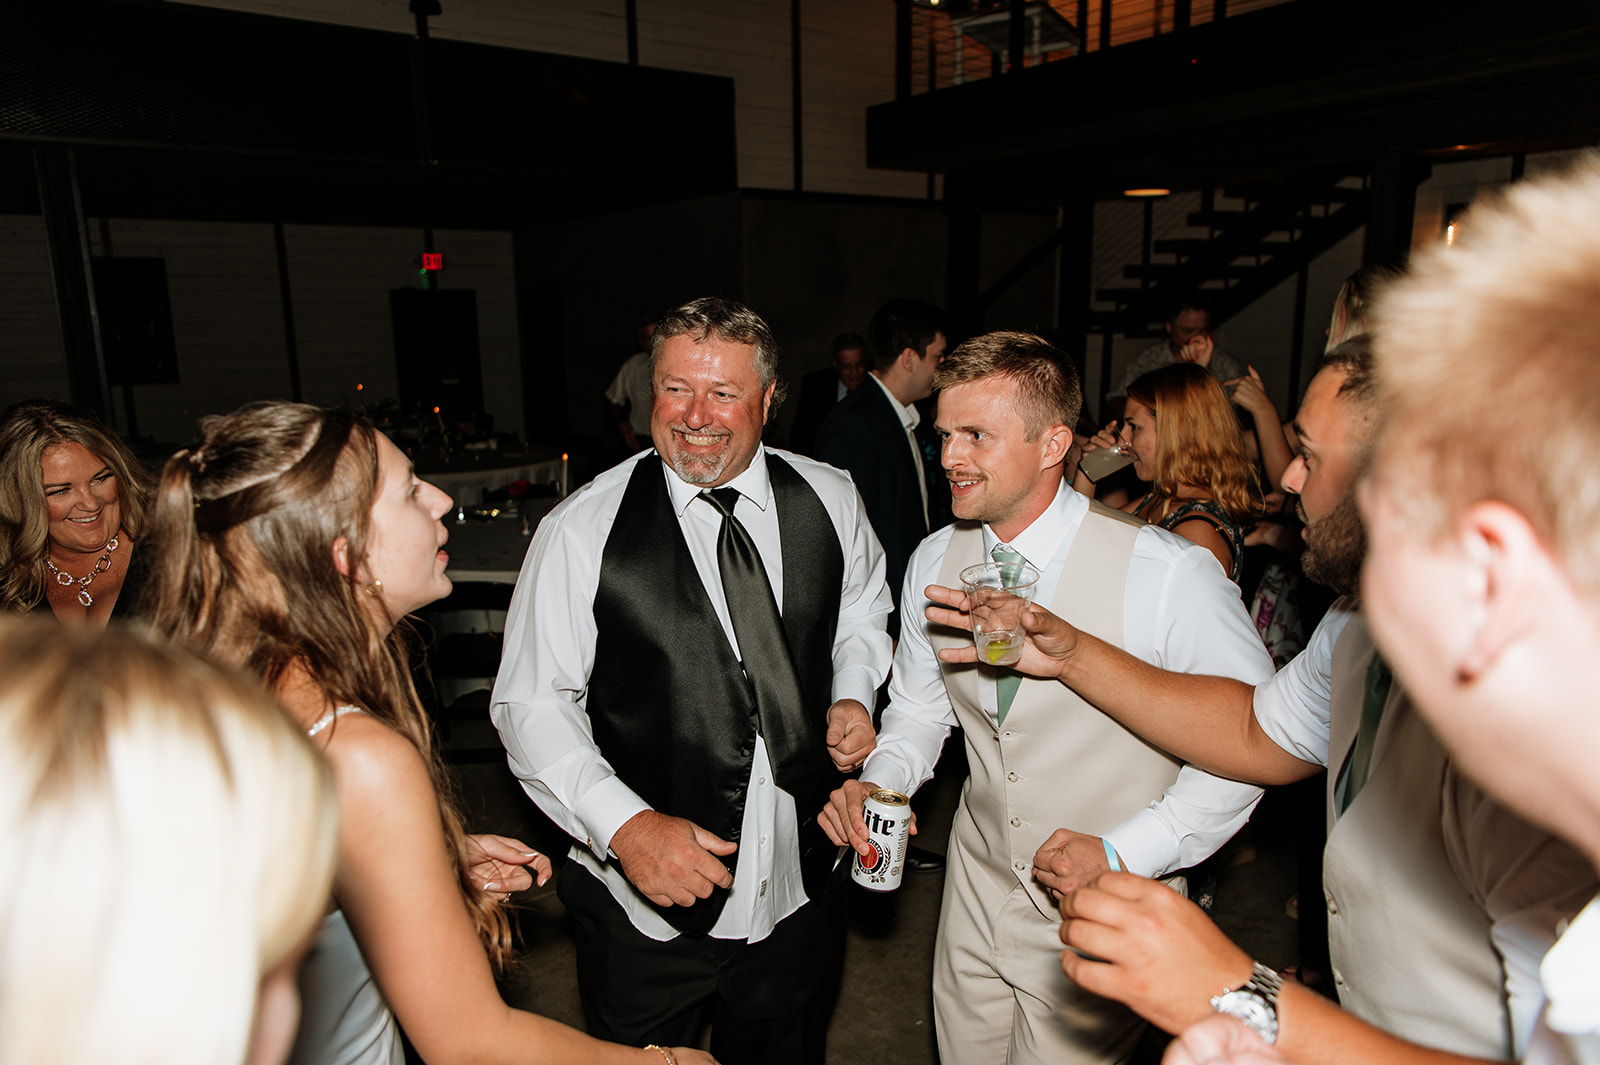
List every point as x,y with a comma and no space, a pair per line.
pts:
1104,461
997,594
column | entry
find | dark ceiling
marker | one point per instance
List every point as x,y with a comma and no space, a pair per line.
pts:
184,112
1307,84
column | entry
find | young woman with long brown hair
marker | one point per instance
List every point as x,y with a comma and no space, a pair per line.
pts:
294,541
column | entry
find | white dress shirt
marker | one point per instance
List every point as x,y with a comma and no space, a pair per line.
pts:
910,418
1525,881
541,692
1295,708
1569,1031
632,386
1180,612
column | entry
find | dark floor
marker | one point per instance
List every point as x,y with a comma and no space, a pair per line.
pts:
885,1013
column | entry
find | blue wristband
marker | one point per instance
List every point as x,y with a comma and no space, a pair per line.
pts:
1111,856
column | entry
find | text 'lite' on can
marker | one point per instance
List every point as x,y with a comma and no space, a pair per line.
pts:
888,817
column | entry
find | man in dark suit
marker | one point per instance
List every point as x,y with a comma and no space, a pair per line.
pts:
822,389
872,432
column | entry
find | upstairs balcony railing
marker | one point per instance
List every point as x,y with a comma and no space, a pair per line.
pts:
940,43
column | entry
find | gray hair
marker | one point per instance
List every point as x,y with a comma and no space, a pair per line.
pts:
727,320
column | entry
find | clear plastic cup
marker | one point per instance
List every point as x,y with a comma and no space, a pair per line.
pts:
1104,461
998,593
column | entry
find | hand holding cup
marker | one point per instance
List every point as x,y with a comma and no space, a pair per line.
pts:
998,593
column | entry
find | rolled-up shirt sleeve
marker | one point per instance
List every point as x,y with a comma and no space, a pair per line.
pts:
1295,708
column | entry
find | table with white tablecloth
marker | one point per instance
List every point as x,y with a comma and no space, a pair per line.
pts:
492,551
485,559
467,484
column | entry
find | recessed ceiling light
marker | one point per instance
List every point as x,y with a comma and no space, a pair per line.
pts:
1146,193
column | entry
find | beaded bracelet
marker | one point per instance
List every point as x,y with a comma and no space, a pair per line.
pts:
665,1053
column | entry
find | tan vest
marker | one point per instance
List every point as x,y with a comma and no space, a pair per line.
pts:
1410,947
1057,762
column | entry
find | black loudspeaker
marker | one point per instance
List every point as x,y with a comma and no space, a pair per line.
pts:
436,351
135,321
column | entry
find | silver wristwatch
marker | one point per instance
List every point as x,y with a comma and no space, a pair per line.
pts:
1255,1002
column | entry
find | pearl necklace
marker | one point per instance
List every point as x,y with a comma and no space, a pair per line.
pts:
67,580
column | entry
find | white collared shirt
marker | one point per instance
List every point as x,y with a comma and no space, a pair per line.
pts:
1180,612
632,386
1569,1031
1295,708
910,417
541,692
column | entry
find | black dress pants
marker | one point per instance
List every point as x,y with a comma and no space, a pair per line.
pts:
768,1003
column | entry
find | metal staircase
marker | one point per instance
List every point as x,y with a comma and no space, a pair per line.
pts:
1280,228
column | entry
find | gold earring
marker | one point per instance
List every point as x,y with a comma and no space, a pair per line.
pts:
375,587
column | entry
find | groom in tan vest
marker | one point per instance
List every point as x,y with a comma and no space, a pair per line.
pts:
1440,902
1046,771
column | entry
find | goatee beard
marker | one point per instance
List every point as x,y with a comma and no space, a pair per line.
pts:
1335,549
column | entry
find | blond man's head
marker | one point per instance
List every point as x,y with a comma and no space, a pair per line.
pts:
1488,357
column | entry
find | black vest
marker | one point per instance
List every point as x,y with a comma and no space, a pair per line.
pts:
670,706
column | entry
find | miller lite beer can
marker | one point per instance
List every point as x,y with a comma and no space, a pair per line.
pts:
888,817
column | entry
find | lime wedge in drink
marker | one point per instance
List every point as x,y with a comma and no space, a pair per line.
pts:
997,650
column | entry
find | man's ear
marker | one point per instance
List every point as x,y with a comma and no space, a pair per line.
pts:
908,359
341,556
1057,442
1508,568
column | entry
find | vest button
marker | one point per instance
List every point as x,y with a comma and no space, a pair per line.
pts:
1020,867
1011,777
1016,822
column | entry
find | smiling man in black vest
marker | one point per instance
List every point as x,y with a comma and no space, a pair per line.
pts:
690,652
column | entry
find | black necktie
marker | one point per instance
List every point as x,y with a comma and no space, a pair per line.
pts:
764,647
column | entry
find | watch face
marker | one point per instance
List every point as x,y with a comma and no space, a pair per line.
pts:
1254,1010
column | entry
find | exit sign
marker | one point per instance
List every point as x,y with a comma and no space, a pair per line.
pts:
433,260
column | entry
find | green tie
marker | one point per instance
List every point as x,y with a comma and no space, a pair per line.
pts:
1359,764
1009,680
